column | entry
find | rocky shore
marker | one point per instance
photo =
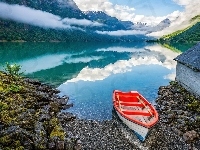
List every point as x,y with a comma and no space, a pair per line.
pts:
179,124
31,117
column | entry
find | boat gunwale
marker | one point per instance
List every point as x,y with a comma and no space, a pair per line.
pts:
147,125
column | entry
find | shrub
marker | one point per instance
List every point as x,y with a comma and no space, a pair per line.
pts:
14,69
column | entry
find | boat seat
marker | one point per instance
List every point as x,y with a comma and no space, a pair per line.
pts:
130,103
145,106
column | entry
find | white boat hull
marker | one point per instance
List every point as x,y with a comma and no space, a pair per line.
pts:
141,131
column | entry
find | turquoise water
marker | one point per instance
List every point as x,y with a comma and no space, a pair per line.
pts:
89,72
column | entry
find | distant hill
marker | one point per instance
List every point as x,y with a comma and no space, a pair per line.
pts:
189,34
127,24
149,29
62,8
12,30
162,25
111,23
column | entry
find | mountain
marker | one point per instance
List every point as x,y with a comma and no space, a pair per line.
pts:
62,8
162,25
127,24
149,29
188,34
111,23
56,16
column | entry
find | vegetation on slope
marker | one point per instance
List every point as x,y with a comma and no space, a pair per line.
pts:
30,114
189,34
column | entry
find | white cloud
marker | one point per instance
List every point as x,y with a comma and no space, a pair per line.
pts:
119,11
120,49
169,55
40,63
122,32
82,59
81,22
171,76
181,19
40,18
121,66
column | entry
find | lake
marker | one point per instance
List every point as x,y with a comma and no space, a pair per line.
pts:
89,72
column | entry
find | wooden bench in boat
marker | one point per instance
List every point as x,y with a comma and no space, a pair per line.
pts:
135,108
145,106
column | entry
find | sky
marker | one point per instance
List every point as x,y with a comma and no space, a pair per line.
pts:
150,7
149,11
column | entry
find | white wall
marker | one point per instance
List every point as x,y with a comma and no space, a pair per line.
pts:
188,78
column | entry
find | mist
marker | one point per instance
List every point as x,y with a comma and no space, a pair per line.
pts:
122,32
182,18
22,14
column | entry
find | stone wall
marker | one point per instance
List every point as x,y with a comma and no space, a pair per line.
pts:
188,78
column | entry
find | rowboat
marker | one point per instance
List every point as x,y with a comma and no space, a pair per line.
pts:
135,111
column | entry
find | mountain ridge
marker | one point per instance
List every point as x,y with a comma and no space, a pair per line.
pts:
188,34
12,30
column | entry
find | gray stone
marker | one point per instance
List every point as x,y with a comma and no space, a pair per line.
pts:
190,136
78,145
60,145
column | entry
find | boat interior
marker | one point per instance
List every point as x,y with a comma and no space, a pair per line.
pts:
134,106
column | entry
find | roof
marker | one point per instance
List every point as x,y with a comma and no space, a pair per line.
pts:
191,57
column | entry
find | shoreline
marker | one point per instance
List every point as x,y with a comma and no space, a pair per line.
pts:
41,124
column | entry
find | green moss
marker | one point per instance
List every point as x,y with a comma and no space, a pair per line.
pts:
3,106
54,121
7,148
194,105
5,140
58,132
14,88
173,83
20,148
5,117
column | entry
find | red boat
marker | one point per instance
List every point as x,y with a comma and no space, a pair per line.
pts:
135,111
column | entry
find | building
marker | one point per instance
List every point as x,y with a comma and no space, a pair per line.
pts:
188,69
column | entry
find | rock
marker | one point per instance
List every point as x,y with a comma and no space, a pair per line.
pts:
60,145
62,101
66,116
78,145
67,106
1,126
179,112
44,117
177,131
170,116
189,136
34,82
40,138
181,121
69,144
52,145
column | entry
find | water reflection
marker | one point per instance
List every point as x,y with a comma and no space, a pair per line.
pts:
55,63
89,72
145,70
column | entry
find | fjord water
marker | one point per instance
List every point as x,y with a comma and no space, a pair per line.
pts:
89,72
